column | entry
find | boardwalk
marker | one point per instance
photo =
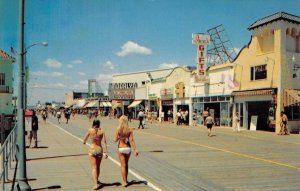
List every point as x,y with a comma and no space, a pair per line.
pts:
171,158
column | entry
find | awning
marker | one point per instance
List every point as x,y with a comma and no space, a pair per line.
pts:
108,104
104,104
135,103
116,105
253,92
291,97
92,104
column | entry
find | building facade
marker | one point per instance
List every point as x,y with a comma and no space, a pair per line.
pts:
6,83
267,76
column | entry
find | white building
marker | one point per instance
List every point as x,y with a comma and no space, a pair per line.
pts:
6,83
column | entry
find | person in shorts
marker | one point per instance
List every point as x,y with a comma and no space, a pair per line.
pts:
209,124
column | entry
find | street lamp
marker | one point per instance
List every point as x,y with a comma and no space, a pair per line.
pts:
20,146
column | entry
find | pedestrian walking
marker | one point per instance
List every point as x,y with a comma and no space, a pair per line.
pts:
58,116
98,144
205,115
44,115
209,121
283,124
178,116
194,116
237,122
67,115
141,116
162,116
34,129
124,137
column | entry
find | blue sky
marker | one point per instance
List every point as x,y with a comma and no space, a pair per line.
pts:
93,39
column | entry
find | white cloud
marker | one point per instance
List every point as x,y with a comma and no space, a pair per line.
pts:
104,77
168,65
77,61
39,73
57,74
69,66
59,85
81,73
133,48
52,63
45,74
236,50
109,65
83,82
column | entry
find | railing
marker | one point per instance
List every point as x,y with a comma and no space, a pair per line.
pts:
4,89
7,156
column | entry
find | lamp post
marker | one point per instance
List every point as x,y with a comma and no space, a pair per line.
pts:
21,150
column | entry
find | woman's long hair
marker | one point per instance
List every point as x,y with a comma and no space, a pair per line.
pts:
123,124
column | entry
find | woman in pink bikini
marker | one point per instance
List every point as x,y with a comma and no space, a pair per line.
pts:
125,137
98,149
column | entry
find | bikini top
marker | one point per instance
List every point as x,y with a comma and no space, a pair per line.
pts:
123,137
95,137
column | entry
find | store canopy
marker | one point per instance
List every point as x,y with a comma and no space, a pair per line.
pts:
108,104
92,104
291,97
253,92
135,103
116,105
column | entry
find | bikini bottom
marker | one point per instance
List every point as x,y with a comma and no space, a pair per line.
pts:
125,150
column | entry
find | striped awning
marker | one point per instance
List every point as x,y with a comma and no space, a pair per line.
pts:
116,105
291,97
135,103
92,104
253,92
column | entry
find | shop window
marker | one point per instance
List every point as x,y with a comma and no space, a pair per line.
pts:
293,112
2,79
258,72
214,98
207,99
221,98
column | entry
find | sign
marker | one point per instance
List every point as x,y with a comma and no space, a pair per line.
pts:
201,40
166,91
122,86
166,102
152,96
123,94
180,90
105,98
253,123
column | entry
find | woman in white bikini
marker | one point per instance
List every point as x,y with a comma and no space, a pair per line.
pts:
125,137
96,153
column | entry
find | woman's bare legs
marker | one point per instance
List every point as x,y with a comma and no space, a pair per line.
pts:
124,158
95,164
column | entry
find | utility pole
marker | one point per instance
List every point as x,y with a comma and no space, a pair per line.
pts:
21,150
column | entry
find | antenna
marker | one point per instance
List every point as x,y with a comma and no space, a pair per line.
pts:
220,49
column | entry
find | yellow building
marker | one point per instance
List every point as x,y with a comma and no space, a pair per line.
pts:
267,75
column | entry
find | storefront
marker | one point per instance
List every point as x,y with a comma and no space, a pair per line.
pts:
166,101
253,107
218,106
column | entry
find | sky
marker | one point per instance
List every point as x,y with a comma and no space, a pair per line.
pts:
94,39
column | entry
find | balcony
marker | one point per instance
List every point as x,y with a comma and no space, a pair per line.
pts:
4,89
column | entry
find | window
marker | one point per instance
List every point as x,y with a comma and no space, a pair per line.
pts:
258,72
2,79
